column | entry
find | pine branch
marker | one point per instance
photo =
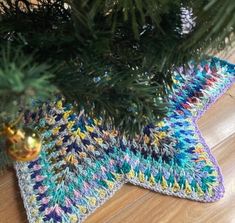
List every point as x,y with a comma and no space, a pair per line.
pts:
120,97
21,80
212,31
115,58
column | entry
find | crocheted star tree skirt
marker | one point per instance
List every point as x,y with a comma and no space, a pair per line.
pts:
83,163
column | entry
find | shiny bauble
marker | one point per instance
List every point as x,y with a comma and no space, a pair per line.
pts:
22,144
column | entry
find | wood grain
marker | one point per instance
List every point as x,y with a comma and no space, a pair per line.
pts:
153,207
159,208
218,123
137,205
11,205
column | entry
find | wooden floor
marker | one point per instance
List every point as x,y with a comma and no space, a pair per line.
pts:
136,205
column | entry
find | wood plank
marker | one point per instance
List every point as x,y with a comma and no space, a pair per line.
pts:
159,208
231,93
120,201
209,125
11,204
218,122
168,208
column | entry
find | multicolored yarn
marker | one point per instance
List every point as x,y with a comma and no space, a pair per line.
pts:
83,162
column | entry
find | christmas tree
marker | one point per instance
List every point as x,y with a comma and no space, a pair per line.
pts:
114,59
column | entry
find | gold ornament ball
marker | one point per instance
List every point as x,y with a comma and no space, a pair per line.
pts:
23,144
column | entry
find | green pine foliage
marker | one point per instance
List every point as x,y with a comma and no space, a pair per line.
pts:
115,58
21,80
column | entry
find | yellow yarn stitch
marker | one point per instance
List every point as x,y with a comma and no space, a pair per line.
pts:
99,140
97,122
59,104
141,177
199,190
110,184
56,130
101,193
59,142
131,174
160,124
210,191
66,114
152,180
89,128
32,199
164,183
82,209
92,201
79,133
188,189
39,220
117,176
176,186
70,124
158,136
34,212
73,218
214,173
175,81
71,159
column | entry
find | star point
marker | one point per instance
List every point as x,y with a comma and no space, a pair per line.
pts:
83,163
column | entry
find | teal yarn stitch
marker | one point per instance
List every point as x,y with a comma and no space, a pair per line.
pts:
83,163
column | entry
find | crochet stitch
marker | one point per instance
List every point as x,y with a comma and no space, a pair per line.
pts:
83,162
